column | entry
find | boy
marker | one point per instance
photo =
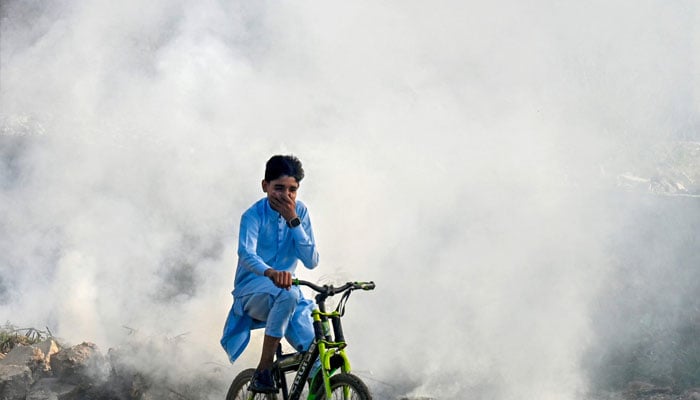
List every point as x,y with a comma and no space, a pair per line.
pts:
274,233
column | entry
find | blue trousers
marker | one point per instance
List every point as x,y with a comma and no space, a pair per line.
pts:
285,314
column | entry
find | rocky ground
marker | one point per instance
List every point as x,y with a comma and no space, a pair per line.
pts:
646,391
46,371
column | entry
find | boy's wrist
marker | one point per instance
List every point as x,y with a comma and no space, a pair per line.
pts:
293,222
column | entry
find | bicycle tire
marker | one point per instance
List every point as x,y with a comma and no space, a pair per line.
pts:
358,389
239,388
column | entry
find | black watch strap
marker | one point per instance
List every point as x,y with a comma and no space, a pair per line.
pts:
294,222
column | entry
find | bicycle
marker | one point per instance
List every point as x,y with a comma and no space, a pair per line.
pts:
333,380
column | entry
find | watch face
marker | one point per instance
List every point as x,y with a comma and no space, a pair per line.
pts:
294,222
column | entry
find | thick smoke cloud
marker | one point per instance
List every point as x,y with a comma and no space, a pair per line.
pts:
461,155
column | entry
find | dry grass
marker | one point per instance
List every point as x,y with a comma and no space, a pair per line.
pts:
11,336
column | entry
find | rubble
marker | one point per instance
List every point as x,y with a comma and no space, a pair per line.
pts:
36,357
15,381
52,389
673,169
80,365
45,371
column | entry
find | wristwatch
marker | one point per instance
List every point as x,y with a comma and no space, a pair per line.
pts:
294,222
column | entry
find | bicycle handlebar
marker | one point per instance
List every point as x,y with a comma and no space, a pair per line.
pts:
330,290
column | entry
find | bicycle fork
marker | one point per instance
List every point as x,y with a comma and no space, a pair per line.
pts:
331,352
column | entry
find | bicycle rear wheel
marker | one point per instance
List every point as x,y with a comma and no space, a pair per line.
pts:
346,387
239,388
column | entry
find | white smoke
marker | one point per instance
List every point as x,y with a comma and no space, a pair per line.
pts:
457,154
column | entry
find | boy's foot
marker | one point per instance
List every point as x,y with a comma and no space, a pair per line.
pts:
262,382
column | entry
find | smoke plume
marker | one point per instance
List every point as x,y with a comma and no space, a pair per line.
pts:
462,155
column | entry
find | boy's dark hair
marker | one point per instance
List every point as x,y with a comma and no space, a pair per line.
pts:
279,165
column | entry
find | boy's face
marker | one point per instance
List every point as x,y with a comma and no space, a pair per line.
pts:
282,189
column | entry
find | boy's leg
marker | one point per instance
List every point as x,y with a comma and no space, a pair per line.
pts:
267,357
281,311
283,307
300,331
277,312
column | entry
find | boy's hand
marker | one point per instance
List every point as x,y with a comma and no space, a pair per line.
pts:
282,279
285,206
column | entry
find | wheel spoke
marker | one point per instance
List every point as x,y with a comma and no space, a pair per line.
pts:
346,387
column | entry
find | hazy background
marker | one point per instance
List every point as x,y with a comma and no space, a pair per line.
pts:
463,155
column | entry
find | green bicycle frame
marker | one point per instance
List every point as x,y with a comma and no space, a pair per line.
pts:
330,349
331,353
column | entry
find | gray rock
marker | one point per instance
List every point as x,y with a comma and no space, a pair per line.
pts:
49,347
36,356
23,355
15,381
416,398
53,389
82,364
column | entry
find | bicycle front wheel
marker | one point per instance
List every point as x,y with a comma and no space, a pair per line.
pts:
345,387
239,388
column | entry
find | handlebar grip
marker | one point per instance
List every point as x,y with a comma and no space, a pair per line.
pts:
365,285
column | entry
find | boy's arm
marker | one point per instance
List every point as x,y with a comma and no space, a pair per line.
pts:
247,244
304,243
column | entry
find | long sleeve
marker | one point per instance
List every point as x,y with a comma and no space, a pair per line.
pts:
247,244
265,241
304,243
